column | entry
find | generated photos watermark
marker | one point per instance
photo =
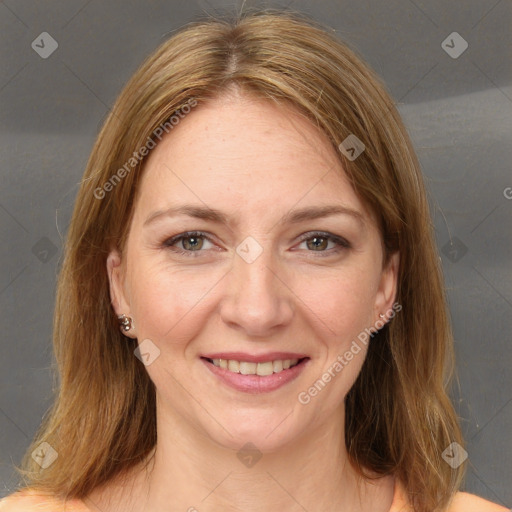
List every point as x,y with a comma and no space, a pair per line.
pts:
304,397
136,158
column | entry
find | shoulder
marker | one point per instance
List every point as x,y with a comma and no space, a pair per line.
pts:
465,502
32,501
461,502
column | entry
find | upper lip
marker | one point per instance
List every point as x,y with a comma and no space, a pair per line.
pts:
253,358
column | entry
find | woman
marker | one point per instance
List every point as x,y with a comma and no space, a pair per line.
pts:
250,313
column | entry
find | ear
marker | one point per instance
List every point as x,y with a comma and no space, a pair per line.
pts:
386,292
115,272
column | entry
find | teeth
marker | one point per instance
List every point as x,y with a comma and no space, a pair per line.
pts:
262,369
233,366
248,368
265,368
278,366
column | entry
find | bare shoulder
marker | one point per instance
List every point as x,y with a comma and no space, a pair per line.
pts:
465,502
32,501
20,501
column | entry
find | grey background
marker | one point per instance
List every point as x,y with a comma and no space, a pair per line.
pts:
458,111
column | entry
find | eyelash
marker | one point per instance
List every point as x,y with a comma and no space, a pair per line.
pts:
341,243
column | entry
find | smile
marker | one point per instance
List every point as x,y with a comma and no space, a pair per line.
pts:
255,377
248,368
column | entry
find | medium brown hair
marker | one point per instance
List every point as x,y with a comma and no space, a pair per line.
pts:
399,418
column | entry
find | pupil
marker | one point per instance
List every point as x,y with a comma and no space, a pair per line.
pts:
318,242
192,242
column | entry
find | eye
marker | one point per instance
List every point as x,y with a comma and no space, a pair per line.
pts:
189,242
192,243
324,242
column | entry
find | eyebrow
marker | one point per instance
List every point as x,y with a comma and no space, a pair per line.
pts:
292,217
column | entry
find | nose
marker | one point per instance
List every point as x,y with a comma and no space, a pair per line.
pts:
258,297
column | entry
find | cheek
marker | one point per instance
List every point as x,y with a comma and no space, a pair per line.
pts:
341,304
169,304
341,309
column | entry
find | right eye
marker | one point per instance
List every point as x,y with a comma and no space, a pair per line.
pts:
189,242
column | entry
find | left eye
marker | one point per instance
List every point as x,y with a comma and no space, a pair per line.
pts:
321,242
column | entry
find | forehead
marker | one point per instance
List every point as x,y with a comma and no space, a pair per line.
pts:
246,154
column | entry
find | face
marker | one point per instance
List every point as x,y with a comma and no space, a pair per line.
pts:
249,245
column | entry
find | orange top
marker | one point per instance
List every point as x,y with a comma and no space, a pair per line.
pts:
31,501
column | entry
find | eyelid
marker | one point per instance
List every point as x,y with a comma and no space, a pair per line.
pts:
341,243
169,242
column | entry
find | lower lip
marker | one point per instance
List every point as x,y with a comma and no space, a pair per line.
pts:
256,383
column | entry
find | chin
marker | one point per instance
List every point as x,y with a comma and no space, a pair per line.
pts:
267,430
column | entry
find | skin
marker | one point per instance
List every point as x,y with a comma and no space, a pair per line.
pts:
255,162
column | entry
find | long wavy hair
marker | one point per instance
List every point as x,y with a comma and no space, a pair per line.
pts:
399,418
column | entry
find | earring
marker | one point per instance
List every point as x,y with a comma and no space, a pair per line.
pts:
381,315
125,322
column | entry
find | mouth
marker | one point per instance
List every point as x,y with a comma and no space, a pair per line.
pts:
260,374
262,368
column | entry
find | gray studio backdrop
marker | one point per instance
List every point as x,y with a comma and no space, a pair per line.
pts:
447,64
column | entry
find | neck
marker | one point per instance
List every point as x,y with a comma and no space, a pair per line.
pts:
187,471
